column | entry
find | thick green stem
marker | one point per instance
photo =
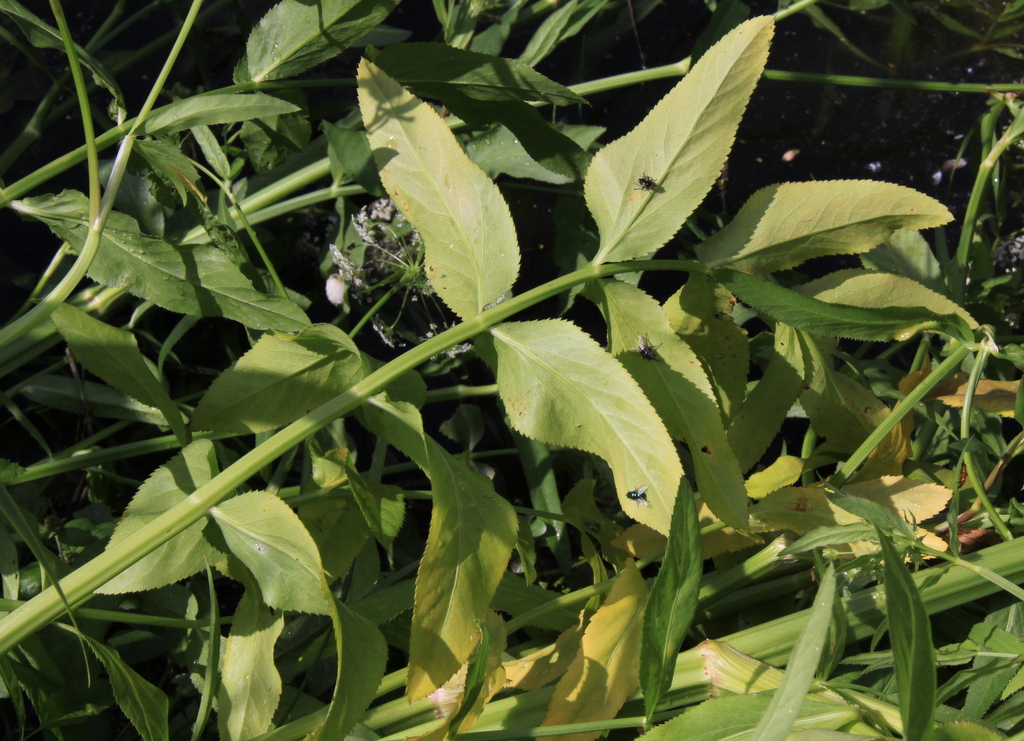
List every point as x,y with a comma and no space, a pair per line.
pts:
80,584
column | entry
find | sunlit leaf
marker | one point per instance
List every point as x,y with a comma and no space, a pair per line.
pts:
546,664
699,314
681,146
604,673
998,397
218,108
280,379
782,226
679,389
907,253
250,685
783,472
269,538
870,289
836,320
185,554
559,387
472,257
472,531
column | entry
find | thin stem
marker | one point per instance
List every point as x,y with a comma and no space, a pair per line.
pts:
80,584
375,308
905,407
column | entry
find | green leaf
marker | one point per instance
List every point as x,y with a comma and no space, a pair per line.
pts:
734,718
102,401
217,108
564,23
760,417
188,279
142,703
44,36
836,320
782,226
559,387
907,253
680,391
280,379
823,536
778,719
672,602
911,635
472,257
363,655
113,355
870,289
270,140
171,166
472,531
681,145
499,151
268,537
295,35
963,731
351,158
699,314
436,70
250,686
383,506
185,554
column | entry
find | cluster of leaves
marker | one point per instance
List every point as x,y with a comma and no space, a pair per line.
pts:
273,517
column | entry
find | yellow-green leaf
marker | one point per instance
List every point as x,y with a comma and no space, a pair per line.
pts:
472,531
471,251
280,379
783,472
604,673
561,388
680,147
678,388
870,289
250,686
782,226
270,539
185,554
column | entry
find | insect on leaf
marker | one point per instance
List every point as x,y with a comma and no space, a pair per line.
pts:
679,148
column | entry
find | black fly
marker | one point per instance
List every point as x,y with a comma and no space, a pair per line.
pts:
644,348
638,495
646,182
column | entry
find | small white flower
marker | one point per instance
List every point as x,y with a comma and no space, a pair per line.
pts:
335,289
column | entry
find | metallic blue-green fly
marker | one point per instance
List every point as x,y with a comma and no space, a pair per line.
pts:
639,496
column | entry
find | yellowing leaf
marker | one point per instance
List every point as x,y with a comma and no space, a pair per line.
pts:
604,673
472,531
802,509
250,686
639,540
472,257
544,665
997,397
784,471
870,289
561,388
721,541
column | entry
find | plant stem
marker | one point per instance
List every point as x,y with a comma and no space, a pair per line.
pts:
80,584
905,407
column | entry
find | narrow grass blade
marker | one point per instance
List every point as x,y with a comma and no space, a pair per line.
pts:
776,723
673,600
911,636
